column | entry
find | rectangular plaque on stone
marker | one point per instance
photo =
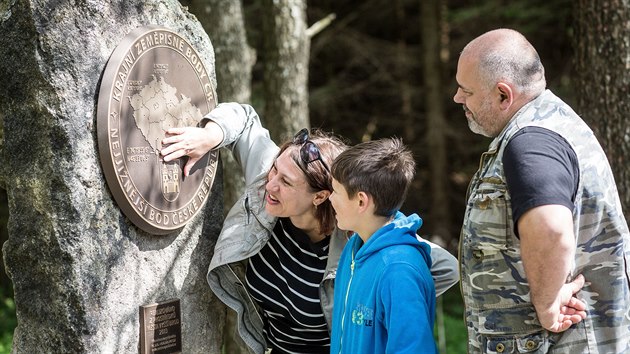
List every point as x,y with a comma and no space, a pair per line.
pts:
161,328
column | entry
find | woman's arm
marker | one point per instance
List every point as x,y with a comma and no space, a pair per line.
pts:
444,268
234,126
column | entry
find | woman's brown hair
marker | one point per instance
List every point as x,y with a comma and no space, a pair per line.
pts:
317,173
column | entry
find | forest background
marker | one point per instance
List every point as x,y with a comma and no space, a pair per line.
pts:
380,68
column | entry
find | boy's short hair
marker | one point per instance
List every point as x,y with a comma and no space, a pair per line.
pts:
381,168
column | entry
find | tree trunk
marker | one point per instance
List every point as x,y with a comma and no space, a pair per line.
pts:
224,23
603,81
436,121
403,74
286,48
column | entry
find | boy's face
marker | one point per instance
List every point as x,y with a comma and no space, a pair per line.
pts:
345,207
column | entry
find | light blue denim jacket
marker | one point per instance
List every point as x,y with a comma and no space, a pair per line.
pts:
248,226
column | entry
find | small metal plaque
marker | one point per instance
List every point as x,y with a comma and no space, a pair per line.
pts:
161,328
154,80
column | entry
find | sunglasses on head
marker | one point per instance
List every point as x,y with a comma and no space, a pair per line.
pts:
309,152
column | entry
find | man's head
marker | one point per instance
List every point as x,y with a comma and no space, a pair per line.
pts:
497,73
379,170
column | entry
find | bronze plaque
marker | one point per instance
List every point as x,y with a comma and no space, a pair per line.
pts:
154,80
161,328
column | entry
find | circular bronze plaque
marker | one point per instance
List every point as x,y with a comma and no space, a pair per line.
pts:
154,80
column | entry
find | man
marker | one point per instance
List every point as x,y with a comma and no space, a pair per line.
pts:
544,246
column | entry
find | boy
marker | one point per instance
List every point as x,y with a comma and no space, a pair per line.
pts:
384,293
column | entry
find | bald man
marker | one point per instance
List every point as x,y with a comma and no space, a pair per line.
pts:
544,245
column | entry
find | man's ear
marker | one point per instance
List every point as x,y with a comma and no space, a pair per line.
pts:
320,197
506,95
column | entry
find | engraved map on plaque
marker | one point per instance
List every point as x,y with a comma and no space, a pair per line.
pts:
154,80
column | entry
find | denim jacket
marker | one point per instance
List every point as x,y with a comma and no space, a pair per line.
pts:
248,227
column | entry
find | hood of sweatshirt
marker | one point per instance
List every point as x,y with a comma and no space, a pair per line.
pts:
400,231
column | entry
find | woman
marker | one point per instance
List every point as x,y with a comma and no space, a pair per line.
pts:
283,226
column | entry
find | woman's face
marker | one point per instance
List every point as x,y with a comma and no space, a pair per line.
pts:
288,192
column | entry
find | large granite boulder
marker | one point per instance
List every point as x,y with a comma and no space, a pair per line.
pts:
81,269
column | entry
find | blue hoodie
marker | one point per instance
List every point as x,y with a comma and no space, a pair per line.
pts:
384,293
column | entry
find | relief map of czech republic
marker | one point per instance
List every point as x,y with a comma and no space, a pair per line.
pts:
153,81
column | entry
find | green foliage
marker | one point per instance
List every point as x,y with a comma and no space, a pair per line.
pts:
454,329
8,323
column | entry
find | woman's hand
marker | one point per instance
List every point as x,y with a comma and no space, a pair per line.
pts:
192,142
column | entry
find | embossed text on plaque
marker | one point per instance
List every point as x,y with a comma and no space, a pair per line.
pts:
161,328
154,80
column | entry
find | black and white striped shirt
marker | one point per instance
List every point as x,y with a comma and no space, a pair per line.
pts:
283,278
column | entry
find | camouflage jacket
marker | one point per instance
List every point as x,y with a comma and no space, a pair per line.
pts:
499,314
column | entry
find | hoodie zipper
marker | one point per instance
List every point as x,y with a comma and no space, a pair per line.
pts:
343,317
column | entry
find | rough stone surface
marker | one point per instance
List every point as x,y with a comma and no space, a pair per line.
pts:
80,269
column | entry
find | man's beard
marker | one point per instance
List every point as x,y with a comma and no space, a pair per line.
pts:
477,128
473,121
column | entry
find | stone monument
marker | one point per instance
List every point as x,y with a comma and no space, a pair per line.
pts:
87,277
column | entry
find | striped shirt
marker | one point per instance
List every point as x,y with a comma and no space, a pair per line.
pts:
283,278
